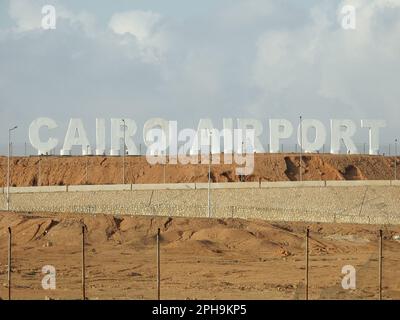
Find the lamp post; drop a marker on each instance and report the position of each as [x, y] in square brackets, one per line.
[123, 156]
[39, 162]
[301, 146]
[87, 164]
[209, 180]
[241, 176]
[8, 166]
[395, 159]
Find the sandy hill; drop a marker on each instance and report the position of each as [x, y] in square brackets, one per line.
[53, 170]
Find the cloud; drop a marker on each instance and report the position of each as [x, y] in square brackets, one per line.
[256, 58]
[146, 28]
[321, 66]
[140, 24]
[25, 15]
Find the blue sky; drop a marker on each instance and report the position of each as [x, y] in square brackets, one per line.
[185, 60]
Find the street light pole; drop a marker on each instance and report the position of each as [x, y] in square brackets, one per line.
[209, 181]
[395, 159]
[123, 156]
[8, 166]
[301, 146]
[40, 160]
[87, 164]
[241, 176]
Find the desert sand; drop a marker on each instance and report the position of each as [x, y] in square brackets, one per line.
[52, 170]
[200, 258]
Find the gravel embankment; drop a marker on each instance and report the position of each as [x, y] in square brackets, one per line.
[375, 205]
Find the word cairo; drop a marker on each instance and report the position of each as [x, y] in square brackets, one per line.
[161, 137]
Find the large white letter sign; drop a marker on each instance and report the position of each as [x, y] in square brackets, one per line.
[34, 136]
[100, 137]
[278, 129]
[343, 130]
[118, 131]
[320, 135]
[227, 133]
[257, 126]
[157, 150]
[187, 136]
[206, 129]
[150, 136]
[173, 142]
[373, 126]
[76, 136]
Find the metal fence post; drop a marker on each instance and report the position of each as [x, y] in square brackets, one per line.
[307, 263]
[158, 266]
[9, 263]
[83, 265]
[380, 263]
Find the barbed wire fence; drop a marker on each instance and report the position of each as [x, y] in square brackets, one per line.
[306, 288]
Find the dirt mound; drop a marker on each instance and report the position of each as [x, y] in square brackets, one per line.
[51, 170]
[200, 258]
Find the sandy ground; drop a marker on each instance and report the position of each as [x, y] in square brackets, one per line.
[51, 170]
[200, 258]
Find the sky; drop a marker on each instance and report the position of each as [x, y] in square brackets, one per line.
[185, 60]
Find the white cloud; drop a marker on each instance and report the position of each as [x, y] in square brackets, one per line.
[256, 58]
[146, 27]
[26, 15]
[140, 24]
[322, 62]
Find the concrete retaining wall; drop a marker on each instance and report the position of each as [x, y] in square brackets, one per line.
[358, 183]
[293, 184]
[110, 187]
[167, 186]
[229, 185]
[43, 189]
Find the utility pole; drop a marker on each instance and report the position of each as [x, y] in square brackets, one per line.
[301, 147]
[8, 166]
